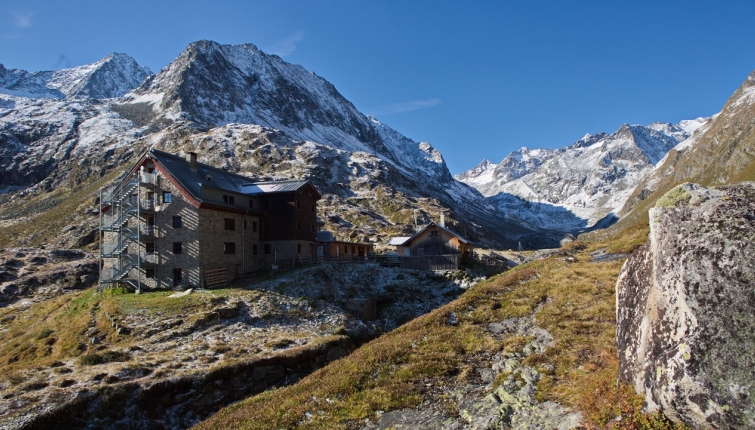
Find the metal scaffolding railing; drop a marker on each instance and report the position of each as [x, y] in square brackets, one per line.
[119, 208]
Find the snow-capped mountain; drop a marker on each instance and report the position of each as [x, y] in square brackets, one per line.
[217, 84]
[254, 114]
[113, 76]
[574, 188]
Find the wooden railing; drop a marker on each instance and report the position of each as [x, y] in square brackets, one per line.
[431, 262]
[425, 263]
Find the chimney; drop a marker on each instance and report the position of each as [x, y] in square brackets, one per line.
[442, 220]
[191, 157]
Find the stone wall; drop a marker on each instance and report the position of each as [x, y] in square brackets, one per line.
[166, 235]
[213, 235]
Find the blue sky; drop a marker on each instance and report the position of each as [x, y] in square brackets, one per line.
[475, 79]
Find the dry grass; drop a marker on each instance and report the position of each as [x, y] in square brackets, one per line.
[574, 302]
[45, 332]
[39, 220]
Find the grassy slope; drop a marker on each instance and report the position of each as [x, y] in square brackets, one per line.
[53, 330]
[39, 220]
[576, 305]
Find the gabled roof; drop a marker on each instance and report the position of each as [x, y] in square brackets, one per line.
[179, 170]
[398, 241]
[407, 240]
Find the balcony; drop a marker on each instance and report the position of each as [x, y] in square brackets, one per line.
[148, 231]
[147, 178]
[147, 205]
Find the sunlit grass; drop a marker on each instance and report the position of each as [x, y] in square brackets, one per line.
[573, 300]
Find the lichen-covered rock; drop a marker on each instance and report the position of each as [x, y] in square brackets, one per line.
[686, 308]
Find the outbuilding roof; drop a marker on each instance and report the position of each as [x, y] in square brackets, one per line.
[404, 241]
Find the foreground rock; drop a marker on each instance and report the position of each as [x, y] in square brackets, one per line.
[686, 308]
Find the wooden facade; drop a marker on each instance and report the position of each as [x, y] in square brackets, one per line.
[343, 249]
[432, 242]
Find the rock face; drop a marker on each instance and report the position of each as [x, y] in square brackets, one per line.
[686, 308]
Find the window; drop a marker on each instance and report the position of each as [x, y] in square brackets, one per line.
[353, 249]
[298, 204]
[251, 203]
[229, 247]
[149, 273]
[229, 199]
[230, 223]
[176, 222]
[344, 250]
[267, 249]
[254, 249]
[298, 248]
[177, 276]
[150, 220]
[313, 228]
[167, 197]
[298, 226]
[312, 208]
[254, 226]
[150, 195]
[150, 247]
[177, 247]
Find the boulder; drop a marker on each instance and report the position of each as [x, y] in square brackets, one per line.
[685, 304]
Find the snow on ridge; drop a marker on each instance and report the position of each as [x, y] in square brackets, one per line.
[691, 125]
[112, 76]
[578, 185]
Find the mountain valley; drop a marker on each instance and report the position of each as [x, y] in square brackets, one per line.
[533, 347]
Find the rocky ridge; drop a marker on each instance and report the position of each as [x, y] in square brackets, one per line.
[258, 116]
[725, 142]
[111, 77]
[580, 186]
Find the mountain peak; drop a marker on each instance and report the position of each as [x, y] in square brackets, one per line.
[112, 76]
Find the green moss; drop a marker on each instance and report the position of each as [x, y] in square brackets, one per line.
[672, 198]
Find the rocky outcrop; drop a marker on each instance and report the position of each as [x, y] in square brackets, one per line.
[501, 396]
[38, 274]
[686, 308]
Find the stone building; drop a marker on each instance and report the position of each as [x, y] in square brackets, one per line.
[172, 219]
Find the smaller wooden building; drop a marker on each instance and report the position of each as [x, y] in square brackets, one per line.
[330, 248]
[432, 241]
